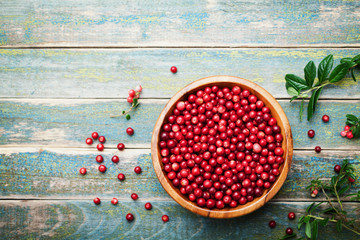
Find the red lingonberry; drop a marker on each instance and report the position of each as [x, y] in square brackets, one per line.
[130, 131]
[121, 177]
[165, 218]
[82, 171]
[114, 201]
[137, 170]
[94, 135]
[89, 141]
[173, 69]
[120, 146]
[97, 201]
[129, 217]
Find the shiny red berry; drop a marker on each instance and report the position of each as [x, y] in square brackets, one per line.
[148, 206]
[89, 141]
[351, 180]
[99, 159]
[121, 177]
[134, 196]
[130, 131]
[289, 231]
[120, 146]
[291, 215]
[114, 201]
[100, 147]
[272, 224]
[131, 92]
[102, 168]
[82, 171]
[97, 201]
[349, 135]
[115, 159]
[337, 168]
[137, 170]
[325, 118]
[317, 149]
[129, 217]
[165, 218]
[311, 133]
[173, 69]
[102, 139]
[94, 135]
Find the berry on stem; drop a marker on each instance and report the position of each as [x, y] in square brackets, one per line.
[137, 170]
[89, 141]
[121, 177]
[165, 218]
[130, 99]
[148, 206]
[129, 217]
[272, 224]
[314, 193]
[131, 93]
[349, 135]
[138, 88]
[351, 180]
[337, 168]
[102, 168]
[97, 201]
[343, 133]
[114, 201]
[130, 131]
[120, 146]
[173, 69]
[94, 135]
[311, 133]
[82, 171]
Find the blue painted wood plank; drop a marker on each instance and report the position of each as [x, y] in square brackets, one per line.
[178, 23]
[110, 73]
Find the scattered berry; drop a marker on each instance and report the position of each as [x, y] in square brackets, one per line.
[115, 159]
[272, 224]
[317, 149]
[102, 168]
[337, 168]
[120, 146]
[351, 180]
[100, 147]
[311, 133]
[99, 158]
[102, 139]
[114, 201]
[137, 170]
[134, 196]
[82, 171]
[138, 88]
[89, 141]
[291, 215]
[325, 118]
[148, 206]
[173, 69]
[129, 217]
[165, 218]
[130, 131]
[97, 201]
[121, 177]
[94, 135]
[131, 93]
[289, 231]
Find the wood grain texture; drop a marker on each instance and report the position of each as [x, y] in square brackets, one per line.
[83, 219]
[185, 23]
[67, 123]
[29, 173]
[110, 73]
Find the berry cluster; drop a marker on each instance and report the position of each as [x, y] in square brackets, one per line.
[221, 147]
[347, 132]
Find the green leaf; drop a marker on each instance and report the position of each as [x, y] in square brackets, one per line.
[123, 112]
[329, 210]
[293, 98]
[343, 190]
[127, 117]
[356, 58]
[314, 232]
[301, 109]
[339, 226]
[292, 91]
[339, 73]
[135, 101]
[301, 221]
[315, 207]
[324, 222]
[287, 236]
[308, 229]
[352, 74]
[312, 103]
[310, 73]
[296, 82]
[352, 117]
[325, 67]
[309, 207]
[346, 60]
[356, 132]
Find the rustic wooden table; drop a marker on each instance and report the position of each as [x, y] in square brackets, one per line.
[66, 66]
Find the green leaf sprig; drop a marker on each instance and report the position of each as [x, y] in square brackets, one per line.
[135, 103]
[354, 123]
[335, 213]
[300, 88]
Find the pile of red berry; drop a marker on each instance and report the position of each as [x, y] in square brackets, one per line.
[221, 147]
[347, 132]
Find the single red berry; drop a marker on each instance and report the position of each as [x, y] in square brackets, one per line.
[121, 177]
[173, 69]
[94, 135]
[130, 131]
[291, 215]
[130, 99]
[121, 146]
[131, 92]
[97, 201]
[134, 196]
[102, 168]
[337, 168]
[311, 133]
[314, 193]
[351, 180]
[129, 217]
[349, 135]
[289, 231]
[343, 133]
[148, 206]
[115, 159]
[82, 171]
[100, 147]
[102, 139]
[99, 159]
[317, 149]
[138, 88]
[272, 224]
[165, 218]
[137, 170]
[89, 141]
[114, 201]
[325, 118]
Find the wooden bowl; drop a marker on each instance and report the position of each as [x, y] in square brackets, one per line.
[276, 111]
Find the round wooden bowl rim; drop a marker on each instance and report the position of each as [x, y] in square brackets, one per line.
[241, 209]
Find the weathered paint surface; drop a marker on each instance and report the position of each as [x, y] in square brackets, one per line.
[34, 173]
[82, 219]
[178, 23]
[110, 73]
[67, 123]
